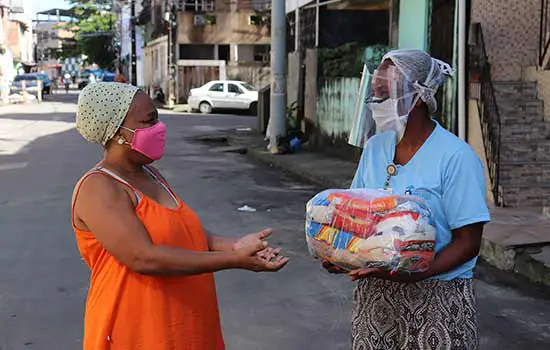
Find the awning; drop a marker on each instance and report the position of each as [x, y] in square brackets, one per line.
[55, 11]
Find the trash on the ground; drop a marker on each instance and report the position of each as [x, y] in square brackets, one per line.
[268, 210]
[244, 129]
[295, 144]
[247, 209]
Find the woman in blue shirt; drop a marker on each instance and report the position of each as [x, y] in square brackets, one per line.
[411, 153]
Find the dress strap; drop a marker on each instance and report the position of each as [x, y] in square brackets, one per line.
[161, 182]
[120, 179]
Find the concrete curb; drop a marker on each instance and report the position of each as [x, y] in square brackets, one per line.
[276, 162]
[515, 260]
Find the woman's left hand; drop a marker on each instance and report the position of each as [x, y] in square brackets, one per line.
[386, 275]
[253, 239]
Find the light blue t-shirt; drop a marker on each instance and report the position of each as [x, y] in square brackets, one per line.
[445, 171]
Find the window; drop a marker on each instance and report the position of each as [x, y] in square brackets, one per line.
[197, 6]
[235, 89]
[262, 53]
[248, 87]
[218, 87]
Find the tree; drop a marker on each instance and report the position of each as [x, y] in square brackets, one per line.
[93, 28]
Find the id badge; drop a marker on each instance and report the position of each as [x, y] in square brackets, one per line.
[388, 190]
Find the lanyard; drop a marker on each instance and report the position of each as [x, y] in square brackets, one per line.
[391, 170]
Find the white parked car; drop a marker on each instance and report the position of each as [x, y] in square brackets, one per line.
[224, 94]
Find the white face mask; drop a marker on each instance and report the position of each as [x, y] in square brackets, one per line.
[387, 118]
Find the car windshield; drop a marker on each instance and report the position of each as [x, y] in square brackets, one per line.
[248, 87]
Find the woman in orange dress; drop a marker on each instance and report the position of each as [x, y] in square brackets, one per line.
[151, 261]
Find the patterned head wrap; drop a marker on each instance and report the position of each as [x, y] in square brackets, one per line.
[101, 110]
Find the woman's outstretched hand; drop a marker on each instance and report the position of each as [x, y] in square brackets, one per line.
[268, 253]
[248, 258]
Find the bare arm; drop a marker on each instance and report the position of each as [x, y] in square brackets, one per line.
[219, 243]
[107, 210]
[463, 248]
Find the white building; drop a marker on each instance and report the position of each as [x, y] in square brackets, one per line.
[16, 29]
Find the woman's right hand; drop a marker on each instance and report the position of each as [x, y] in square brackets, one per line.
[248, 259]
[331, 268]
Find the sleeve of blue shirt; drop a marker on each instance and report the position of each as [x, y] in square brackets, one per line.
[358, 179]
[464, 190]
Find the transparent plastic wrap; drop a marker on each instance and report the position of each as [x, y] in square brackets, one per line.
[370, 228]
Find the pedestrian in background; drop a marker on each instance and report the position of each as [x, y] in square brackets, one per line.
[152, 263]
[120, 78]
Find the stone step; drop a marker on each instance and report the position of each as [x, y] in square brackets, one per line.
[520, 173]
[526, 173]
[534, 131]
[521, 110]
[524, 196]
[516, 90]
[518, 151]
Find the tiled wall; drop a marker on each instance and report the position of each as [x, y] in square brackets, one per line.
[511, 30]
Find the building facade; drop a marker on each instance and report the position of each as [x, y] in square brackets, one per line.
[16, 29]
[212, 39]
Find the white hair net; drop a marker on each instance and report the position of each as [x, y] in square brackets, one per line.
[425, 72]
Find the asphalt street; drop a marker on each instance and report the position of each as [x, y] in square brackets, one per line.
[43, 281]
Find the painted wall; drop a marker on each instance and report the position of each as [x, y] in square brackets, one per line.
[413, 24]
[475, 139]
[230, 28]
[155, 67]
[336, 105]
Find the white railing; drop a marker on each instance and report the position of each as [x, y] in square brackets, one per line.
[196, 5]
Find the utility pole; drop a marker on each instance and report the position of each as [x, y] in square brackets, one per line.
[171, 18]
[277, 118]
[133, 57]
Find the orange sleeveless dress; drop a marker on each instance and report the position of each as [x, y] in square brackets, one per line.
[129, 311]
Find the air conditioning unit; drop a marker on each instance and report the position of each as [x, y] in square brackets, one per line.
[254, 20]
[199, 20]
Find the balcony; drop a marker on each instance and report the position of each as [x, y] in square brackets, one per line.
[198, 5]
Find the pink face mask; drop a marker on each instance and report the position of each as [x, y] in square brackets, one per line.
[149, 141]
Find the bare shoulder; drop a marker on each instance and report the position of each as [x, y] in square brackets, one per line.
[96, 191]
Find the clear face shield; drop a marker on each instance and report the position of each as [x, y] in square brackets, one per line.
[385, 100]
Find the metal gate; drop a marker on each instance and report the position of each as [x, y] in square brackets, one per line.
[442, 30]
[190, 77]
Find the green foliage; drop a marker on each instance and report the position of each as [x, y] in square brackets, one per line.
[348, 60]
[342, 61]
[93, 29]
[374, 54]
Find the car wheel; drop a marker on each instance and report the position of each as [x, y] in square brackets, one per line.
[253, 108]
[205, 108]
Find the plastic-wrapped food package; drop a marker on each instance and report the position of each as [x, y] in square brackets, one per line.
[370, 228]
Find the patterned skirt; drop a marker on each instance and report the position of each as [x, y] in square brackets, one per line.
[429, 315]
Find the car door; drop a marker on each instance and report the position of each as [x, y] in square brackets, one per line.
[216, 94]
[236, 97]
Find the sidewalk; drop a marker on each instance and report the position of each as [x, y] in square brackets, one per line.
[516, 240]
